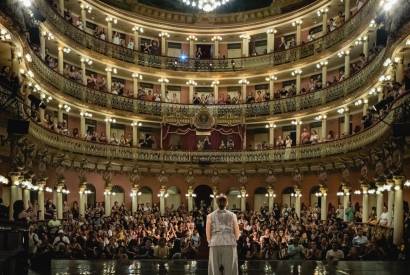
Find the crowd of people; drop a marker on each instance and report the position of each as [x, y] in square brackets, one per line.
[179, 234]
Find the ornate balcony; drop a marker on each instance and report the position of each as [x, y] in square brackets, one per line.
[340, 146]
[173, 112]
[310, 49]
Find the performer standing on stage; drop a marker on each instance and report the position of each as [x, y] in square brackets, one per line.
[222, 232]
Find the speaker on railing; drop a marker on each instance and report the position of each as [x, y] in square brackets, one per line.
[17, 127]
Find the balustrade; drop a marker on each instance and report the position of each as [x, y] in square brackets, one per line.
[346, 31]
[273, 107]
[340, 146]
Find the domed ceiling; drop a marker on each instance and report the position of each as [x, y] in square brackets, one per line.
[231, 6]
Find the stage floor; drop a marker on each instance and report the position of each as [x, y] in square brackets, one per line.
[179, 267]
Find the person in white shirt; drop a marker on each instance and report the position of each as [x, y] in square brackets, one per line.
[359, 239]
[384, 219]
[131, 44]
[333, 255]
[61, 241]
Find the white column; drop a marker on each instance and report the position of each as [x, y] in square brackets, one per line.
[324, 75]
[346, 124]
[108, 129]
[243, 91]
[61, 7]
[109, 78]
[347, 63]
[83, 72]
[270, 39]
[347, 9]
[365, 204]
[298, 132]
[107, 200]
[164, 43]
[243, 198]
[365, 106]
[191, 93]
[271, 197]
[41, 112]
[366, 46]
[297, 201]
[43, 45]
[346, 200]
[162, 193]
[135, 135]
[271, 135]
[192, 40]
[60, 113]
[83, 17]
[134, 198]
[398, 211]
[324, 22]
[109, 29]
[190, 199]
[399, 69]
[82, 200]
[271, 80]
[214, 193]
[216, 93]
[297, 73]
[14, 190]
[390, 200]
[216, 40]
[136, 39]
[324, 128]
[26, 197]
[82, 126]
[60, 60]
[323, 204]
[59, 205]
[41, 204]
[298, 33]
[379, 200]
[135, 83]
[245, 45]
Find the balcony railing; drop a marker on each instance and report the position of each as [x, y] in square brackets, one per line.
[341, 146]
[346, 31]
[220, 112]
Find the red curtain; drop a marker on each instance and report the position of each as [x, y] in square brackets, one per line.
[189, 139]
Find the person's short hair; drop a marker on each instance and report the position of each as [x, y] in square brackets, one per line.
[221, 201]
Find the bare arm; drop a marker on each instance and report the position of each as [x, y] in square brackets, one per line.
[236, 227]
[208, 229]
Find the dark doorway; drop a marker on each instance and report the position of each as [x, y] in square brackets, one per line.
[203, 196]
[203, 51]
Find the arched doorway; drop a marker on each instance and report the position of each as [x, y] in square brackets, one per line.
[173, 201]
[234, 201]
[203, 196]
[315, 201]
[146, 196]
[260, 199]
[91, 194]
[287, 198]
[117, 195]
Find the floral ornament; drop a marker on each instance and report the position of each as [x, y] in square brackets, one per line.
[162, 178]
[297, 177]
[270, 178]
[215, 178]
[82, 176]
[346, 175]
[190, 177]
[364, 172]
[243, 178]
[107, 177]
[322, 177]
[379, 170]
[60, 169]
[134, 178]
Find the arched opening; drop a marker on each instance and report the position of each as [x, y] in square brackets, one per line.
[145, 199]
[91, 198]
[260, 199]
[203, 196]
[315, 201]
[117, 195]
[173, 201]
[287, 199]
[234, 201]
